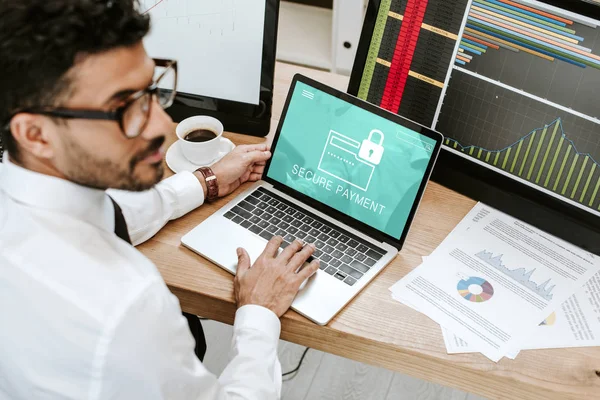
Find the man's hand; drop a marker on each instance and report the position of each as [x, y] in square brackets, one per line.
[272, 281]
[245, 163]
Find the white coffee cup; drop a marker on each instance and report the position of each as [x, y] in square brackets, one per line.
[200, 153]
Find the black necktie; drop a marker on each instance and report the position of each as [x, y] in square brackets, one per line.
[193, 321]
[120, 223]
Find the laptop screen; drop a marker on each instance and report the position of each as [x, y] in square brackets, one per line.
[357, 162]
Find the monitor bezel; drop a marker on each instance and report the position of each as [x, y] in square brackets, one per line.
[528, 203]
[335, 214]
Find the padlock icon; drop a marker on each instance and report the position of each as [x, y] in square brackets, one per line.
[371, 151]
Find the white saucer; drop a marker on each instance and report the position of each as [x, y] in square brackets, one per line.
[177, 161]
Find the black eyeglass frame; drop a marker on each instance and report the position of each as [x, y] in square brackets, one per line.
[118, 113]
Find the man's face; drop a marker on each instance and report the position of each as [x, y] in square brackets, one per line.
[97, 153]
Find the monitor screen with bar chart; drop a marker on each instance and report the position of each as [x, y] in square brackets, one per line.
[513, 85]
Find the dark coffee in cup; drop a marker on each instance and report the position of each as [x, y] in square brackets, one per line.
[200, 135]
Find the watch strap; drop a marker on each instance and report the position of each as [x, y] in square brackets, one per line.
[212, 185]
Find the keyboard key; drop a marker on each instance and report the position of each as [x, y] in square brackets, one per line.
[252, 200]
[351, 271]
[273, 202]
[288, 218]
[255, 229]
[263, 224]
[350, 251]
[266, 235]
[289, 238]
[301, 235]
[292, 230]
[255, 220]
[307, 220]
[296, 223]
[281, 233]
[340, 276]
[359, 266]
[279, 214]
[335, 263]
[284, 225]
[281, 206]
[323, 265]
[257, 194]
[341, 246]
[272, 229]
[374, 255]
[314, 232]
[299, 215]
[237, 219]
[350, 281]
[337, 254]
[334, 234]
[352, 243]
[318, 253]
[262, 205]
[290, 211]
[370, 262]
[271, 210]
[229, 214]
[316, 224]
[325, 229]
[245, 205]
[246, 224]
[362, 248]
[319, 244]
[275, 221]
[347, 259]
[332, 242]
[258, 211]
[266, 217]
[326, 257]
[323, 237]
[240, 211]
[305, 228]
[331, 270]
[310, 239]
[360, 257]
[343, 238]
[328, 249]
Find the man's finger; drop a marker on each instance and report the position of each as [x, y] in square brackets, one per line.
[254, 177]
[287, 253]
[300, 257]
[254, 147]
[272, 247]
[258, 169]
[243, 261]
[308, 271]
[254, 157]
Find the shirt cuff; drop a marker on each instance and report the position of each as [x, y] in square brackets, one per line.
[188, 190]
[258, 318]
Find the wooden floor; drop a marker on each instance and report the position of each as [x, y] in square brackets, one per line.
[327, 377]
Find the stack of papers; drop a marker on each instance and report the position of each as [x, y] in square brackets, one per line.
[497, 286]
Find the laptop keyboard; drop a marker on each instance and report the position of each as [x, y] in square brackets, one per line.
[340, 253]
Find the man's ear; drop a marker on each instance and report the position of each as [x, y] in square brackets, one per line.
[32, 133]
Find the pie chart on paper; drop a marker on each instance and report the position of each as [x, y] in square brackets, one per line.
[474, 289]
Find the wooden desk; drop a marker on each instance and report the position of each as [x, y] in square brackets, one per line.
[373, 328]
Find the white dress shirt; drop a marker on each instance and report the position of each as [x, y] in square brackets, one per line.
[84, 315]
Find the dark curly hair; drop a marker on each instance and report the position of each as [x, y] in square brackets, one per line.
[41, 40]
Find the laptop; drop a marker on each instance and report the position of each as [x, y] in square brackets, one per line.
[345, 175]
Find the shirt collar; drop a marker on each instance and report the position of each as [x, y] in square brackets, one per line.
[57, 195]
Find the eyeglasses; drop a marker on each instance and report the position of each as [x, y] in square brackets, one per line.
[134, 114]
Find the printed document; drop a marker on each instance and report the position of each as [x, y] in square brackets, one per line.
[494, 279]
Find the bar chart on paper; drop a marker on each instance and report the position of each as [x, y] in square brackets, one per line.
[217, 43]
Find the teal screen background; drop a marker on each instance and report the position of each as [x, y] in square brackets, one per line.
[317, 154]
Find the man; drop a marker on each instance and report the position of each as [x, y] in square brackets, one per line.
[84, 315]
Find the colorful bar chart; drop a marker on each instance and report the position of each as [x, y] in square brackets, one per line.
[518, 27]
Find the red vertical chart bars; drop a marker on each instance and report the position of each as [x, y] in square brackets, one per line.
[403, 54]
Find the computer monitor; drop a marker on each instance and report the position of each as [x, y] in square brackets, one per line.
[513, 85]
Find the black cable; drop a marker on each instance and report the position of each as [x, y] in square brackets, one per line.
[299, 364]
